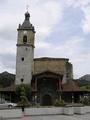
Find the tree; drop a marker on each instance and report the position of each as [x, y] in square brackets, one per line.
[23, 95]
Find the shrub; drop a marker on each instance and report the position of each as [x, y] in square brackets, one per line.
[59, 103]
[86, 101]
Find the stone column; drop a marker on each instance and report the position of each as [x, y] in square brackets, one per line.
[60, 89]
[36, 84]
[72, 97]
[35, 97]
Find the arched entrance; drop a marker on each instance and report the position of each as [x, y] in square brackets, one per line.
[46, 100]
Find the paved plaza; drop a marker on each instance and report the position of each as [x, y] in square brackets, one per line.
[57, 117]
[62, 117]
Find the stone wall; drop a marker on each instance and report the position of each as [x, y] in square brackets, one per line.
[46, 64]
[69, 69]
[17, 113]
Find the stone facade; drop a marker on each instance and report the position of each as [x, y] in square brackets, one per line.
[60, 66]
[48, 76]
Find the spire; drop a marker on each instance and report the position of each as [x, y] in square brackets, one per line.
[26, 24]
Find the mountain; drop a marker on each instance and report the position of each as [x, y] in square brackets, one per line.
[6, 79]
[83, 81]
[85, 77]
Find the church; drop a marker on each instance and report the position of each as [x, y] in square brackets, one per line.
[50, 78]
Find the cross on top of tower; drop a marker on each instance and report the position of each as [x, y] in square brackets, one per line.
[27, 15]
[27, 7]
[26, 25]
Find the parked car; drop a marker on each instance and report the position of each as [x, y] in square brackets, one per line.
[6, 104]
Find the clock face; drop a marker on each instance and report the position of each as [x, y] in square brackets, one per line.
[25, 32]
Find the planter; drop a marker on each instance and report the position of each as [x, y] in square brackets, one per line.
[87, 109]
[44, 111]
[79, 110]
[68, 111]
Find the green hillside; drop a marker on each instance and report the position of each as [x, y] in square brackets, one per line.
[84, 82]
[6, 79]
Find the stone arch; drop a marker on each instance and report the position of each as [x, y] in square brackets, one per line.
[24, 39]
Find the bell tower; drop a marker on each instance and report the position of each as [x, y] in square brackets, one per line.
[25, 51]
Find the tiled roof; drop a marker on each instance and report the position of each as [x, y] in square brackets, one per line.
[11, 88]
[50, 58]
[71, 87]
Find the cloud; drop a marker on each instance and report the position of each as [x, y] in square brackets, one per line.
[7, 47]
[45, 16]
[86, 21]
[7, 62]
[6, 35]
[7, 55]
[77, 3]
[72, 46]
[43, 45]
[84, 5]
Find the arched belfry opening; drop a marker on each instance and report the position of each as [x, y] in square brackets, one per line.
[24, 39]
[47, 100]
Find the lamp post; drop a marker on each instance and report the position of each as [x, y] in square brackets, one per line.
[72, 97]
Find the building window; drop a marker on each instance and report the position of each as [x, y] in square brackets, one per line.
[24, 39]
[22, 79]
[22, 58]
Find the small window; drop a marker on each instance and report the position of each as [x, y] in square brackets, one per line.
[22, 58]
[22, 79]
[25, 39]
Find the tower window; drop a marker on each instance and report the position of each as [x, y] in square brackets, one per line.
[22, 58]
[22, 79]
[24, 39]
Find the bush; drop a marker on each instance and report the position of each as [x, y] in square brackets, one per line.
[86, 101]
[59, 103]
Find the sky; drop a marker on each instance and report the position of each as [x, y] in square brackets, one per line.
[62, 31]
